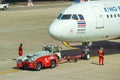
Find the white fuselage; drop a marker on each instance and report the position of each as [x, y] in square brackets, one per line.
[87, 22]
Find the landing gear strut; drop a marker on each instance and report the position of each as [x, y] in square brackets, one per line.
[86, 54]
[86, 50]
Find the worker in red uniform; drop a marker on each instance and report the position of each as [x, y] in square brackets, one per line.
[101, 56]
[20, 50]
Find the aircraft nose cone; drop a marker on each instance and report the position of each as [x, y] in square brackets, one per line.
[53, 32]
[58, 31]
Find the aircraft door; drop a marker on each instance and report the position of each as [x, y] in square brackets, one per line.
[102, 31]
[99, 18]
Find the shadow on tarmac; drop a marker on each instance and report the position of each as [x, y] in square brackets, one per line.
[109, 48]
[94, 63]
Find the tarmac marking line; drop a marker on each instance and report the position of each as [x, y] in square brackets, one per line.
[9, 71]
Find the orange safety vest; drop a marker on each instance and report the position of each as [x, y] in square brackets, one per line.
[100, 52]
[20, 51]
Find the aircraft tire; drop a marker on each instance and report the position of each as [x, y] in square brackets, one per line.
[86, 56]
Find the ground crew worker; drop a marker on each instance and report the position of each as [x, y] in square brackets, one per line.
[20, 50]
[101, 56]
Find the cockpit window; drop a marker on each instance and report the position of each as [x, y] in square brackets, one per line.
[81, 17]
[66, 16]
[59, 16]
[74, 17]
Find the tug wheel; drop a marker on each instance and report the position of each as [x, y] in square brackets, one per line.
[53, 64]
[38, 66]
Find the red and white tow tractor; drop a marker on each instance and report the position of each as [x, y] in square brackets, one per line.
[49, 56]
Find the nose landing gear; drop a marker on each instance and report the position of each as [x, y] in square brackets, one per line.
[86, 54]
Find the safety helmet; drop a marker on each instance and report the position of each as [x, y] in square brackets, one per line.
[101, 48]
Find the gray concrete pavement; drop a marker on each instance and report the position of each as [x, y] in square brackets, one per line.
[82, 70]
[30, 27]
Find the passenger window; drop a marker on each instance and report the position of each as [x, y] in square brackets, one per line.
[107, 16]
[66, 16]
[74, 17]
[111, 15]
[115, 15]
[81, 17]
[118, 15]
[59, 16]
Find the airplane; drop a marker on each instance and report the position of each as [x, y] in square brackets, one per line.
[87, 22]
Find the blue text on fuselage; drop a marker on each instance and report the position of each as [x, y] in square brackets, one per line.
[112, 9]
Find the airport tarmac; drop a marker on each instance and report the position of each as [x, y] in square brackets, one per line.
[29, 25]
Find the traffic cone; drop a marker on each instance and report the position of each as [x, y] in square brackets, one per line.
[29, 4]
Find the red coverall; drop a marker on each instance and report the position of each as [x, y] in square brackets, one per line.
[101, 58]
[20, 51]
